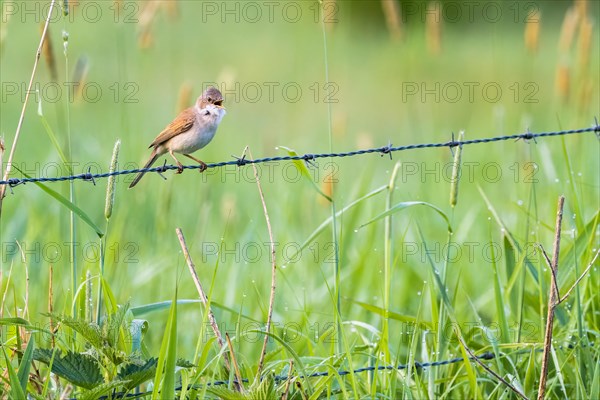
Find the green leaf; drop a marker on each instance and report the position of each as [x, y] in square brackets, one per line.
[509, 236]
[137, 330]
[137, 374]
[264, 389]
[164, 379]
[25, 365]
[162, 305]
[305, 172]
[102, 390]
[80, 369]
[510, 265]
[54, 141]
[89, 330]
[59, 197]
[16, 390]
[298, 361]
[329, 220]
[15, 321]
[95, 337]
[393, 315]
[499, 296]
[225, 393]
[408, 204]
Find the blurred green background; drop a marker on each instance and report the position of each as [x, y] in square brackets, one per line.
[389, 82]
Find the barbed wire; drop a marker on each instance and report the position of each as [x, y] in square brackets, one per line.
[308, 158]
[487, 356]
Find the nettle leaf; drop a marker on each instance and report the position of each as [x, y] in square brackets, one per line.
[183, 363]
[138, 374]
[94, 335]
[80, 369]
[226, 394]
[265, 389]
[115, 325]
[90, 331]
[103, 390]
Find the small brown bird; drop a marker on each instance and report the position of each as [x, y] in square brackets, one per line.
[190, 131]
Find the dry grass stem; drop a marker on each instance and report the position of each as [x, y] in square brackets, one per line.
[532, 32]
[563, 81]
[22, 117]
[185, 97]
[273, 269]
[80, 76]
[586, 36]
[147, 16]
[50, 301]
[286, 390]
[489, 370]
[391, 11]
[567, 32]
[433, 30]
[48, 52]
[582, 7]
[203, 298]
[236, 368]
[553, 300]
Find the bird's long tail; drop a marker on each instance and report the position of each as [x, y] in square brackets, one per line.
[139, 176]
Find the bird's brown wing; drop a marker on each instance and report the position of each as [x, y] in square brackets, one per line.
[183, 122]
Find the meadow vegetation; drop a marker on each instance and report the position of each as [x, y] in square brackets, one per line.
[371, 270]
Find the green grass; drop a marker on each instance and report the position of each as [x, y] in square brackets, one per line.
[411, 282]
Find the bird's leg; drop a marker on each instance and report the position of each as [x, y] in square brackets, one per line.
[203, 165]
[179, 165]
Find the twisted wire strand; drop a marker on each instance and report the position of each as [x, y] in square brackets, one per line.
[487, 356]
[240, 162]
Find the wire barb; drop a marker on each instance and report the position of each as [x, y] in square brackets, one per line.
[309, 160]
[241, 161]
[452, 144]
[162, 170]
[527, 136]
[387, 149]
[14, 182]
[88, 177]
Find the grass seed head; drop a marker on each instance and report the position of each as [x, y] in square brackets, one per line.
[110, 187]
[532, 32]
[456, 171]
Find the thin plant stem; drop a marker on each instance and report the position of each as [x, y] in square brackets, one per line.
[203, 298]
[22, 117]
[553, 299]
[273, 271]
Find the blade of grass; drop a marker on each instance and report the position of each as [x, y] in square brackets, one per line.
[498, 295]
[164, 380]
[16, 391]
[304, 171]
[25, 365]
[328, 221]
[71, 206]
[407, 204]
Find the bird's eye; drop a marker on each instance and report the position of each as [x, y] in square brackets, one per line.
[210, 99]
